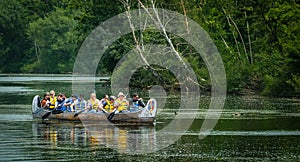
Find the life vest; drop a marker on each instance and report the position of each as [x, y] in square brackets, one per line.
[60, 105]
[68, 101]
[80, 104]
[109, 106]
[94, 104]
[52, 101]
[122, 105]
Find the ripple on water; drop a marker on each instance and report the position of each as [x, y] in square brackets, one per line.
[15, 117]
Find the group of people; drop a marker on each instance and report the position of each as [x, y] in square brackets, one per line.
[78, 103]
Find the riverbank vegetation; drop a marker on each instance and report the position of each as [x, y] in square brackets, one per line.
[259, 41]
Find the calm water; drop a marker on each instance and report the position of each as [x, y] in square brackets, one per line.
[250, 129]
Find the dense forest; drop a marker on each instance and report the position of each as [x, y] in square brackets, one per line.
[259, 40]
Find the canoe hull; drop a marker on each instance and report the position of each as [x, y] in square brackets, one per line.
[146, 115]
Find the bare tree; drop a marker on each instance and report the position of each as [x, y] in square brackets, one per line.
[139, 44]
[160, 23]
[161, 26]
[230, 22]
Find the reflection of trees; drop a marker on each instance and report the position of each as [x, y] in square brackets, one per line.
[125, 139]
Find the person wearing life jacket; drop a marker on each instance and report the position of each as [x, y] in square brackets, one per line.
[53, 100]
[69, 102]
[108, 104]
[93, 104]
[104, 99]
[136, 101]
[60, 102]
[80, 103]
[121, 103]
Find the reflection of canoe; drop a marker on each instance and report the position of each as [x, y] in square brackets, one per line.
[145, 115]
[123, 138]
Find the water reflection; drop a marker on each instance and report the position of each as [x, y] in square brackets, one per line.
[267, 129]
[55, 77]
[131, 139]
[15, 89]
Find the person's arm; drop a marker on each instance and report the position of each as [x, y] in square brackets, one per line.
[100, 106]
[141, 103]
[67, 102]
[84, 104]
[73, 105]
[58, 105]
[103, 104]
[116, 105]
[55, 104]
[127, 102]
[88, 106]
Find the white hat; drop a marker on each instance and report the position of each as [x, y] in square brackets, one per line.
[121, 94]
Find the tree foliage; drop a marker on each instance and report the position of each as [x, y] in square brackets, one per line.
[258, 40]
[54, 41]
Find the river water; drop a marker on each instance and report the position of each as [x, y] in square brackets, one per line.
[251, 128]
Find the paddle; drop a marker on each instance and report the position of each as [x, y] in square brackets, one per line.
[79, 112]
[112, 114]
[46, 115]
[57, 111]
[104, 111]
[54, 111]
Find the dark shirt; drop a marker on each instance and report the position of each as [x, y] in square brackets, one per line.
[60, 103]
[140, 102]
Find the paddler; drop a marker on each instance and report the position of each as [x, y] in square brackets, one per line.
[93, 104]
[53, 100]
[121, 103]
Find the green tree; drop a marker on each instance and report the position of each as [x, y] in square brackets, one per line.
[284, 23]
[13, 42]
[258, 40]
[54, 42]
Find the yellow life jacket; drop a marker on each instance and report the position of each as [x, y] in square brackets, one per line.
[109, 106]
[122, 105]
[52, 101]
[94, 104]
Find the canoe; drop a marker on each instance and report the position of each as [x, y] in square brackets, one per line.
[144, 115]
